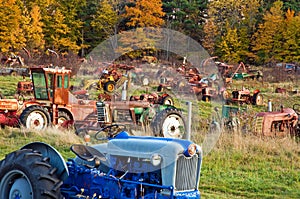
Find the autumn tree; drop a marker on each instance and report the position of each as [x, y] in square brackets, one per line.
[267, 41]
[145, 13]
[142, 14]
[34, 31]
[291, 35]
[228, 17]
[11, 33]
[57, 34]
[210, 36]
[230, 45]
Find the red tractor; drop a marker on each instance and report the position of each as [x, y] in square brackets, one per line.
[53, 103]
[278, 123]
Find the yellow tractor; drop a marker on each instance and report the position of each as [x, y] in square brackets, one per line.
[110, 79]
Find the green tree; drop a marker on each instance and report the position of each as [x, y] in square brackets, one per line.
[145, 13]
[186, 16]
[70, 9]
[105, 20]
[287, 4]
[267, 41]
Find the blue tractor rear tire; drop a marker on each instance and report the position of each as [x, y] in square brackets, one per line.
[27, 174]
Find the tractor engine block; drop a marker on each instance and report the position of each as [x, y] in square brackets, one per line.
[125, 179]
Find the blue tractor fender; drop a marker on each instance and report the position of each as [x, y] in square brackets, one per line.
[56, 160]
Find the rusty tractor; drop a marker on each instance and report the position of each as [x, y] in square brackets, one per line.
[207, 88]
[155, 98]
[244, 96]
[111, 78]
[141, 117]
[53, 103]
[280, 123]
[25, 88]
[241, 72]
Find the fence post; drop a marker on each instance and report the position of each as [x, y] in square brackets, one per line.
[189, 120]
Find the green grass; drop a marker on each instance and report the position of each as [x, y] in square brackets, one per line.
[13, 138]
[248, 167]
[8, 86]
[239, 166]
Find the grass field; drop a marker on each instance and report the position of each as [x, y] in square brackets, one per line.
[239, 166]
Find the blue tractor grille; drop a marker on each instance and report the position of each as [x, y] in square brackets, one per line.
[186, 173]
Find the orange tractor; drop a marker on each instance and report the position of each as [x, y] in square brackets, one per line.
[53, 103]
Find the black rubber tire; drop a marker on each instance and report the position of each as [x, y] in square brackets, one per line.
[296, 108]
[199, 96]
[62, 117]
[167, 100]
[258, 99]
[26, 114]
[158, 123]
[109, 86]
[206, 98]
[29, 174]
[13, 74]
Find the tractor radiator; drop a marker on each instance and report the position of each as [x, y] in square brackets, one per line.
[258, 125]
[186, 173]
[102, 113]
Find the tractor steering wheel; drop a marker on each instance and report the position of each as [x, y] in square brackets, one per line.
[109, 132]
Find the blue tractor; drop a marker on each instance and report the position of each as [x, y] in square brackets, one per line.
[123, 167]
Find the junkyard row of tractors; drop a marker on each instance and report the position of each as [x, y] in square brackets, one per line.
[128, 165]
[55, 102]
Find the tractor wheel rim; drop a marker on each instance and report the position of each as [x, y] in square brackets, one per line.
[15, 185]
[61, 120]
[145, 82]
[110, 87]
[173, 126]
[36, 121]
[168, 102]
[259, 100]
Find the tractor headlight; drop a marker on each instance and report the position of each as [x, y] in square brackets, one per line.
[155, 159]
[192, 149]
